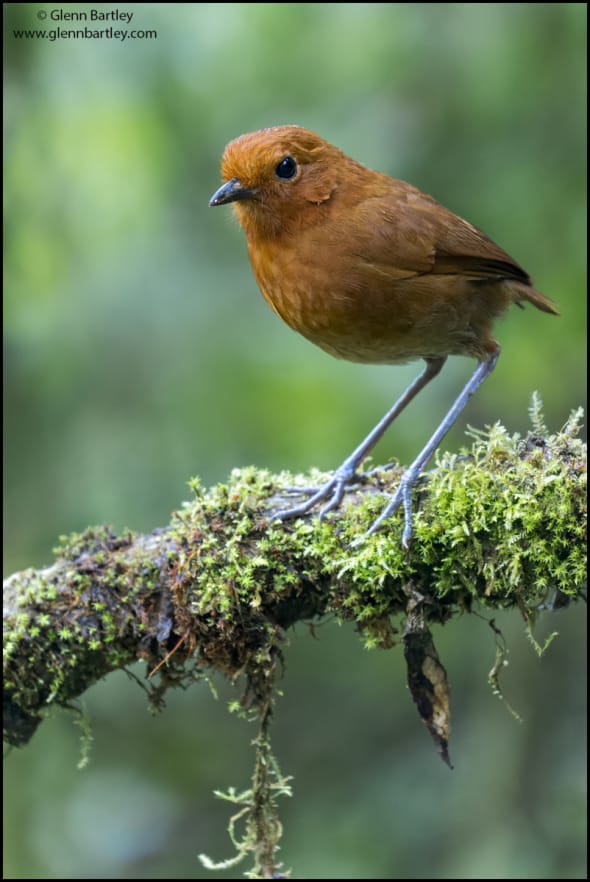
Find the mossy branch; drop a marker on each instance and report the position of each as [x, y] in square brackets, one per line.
[502, 525]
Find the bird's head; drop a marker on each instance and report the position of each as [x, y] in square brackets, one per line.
[275, 177]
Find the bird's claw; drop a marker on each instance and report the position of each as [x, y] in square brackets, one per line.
[299, 491]
[335, 500]
[403, 496]
[333, 490]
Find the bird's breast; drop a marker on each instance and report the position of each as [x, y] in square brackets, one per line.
[358, 311]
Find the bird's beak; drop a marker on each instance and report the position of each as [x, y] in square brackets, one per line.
[231, 191]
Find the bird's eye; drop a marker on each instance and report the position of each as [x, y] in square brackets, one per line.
[286, 168]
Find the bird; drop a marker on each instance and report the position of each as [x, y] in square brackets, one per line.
[372, 270]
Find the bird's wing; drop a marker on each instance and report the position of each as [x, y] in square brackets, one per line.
[410, 234]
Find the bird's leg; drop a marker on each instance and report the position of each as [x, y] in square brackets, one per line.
[334, 489]
[412, 473]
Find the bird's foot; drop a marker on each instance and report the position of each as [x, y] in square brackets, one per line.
[333, 490]
[344, 479]
[403, 496]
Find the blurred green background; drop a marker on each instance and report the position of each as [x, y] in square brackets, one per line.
[139, 352]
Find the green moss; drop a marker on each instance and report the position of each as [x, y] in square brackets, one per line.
[97, 541]
[502, 524]
[69, 622]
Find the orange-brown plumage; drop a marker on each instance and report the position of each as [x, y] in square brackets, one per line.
[364, 265]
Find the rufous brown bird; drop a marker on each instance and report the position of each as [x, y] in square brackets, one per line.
[372, 270]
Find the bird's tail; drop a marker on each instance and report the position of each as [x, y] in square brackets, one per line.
[526, 292]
